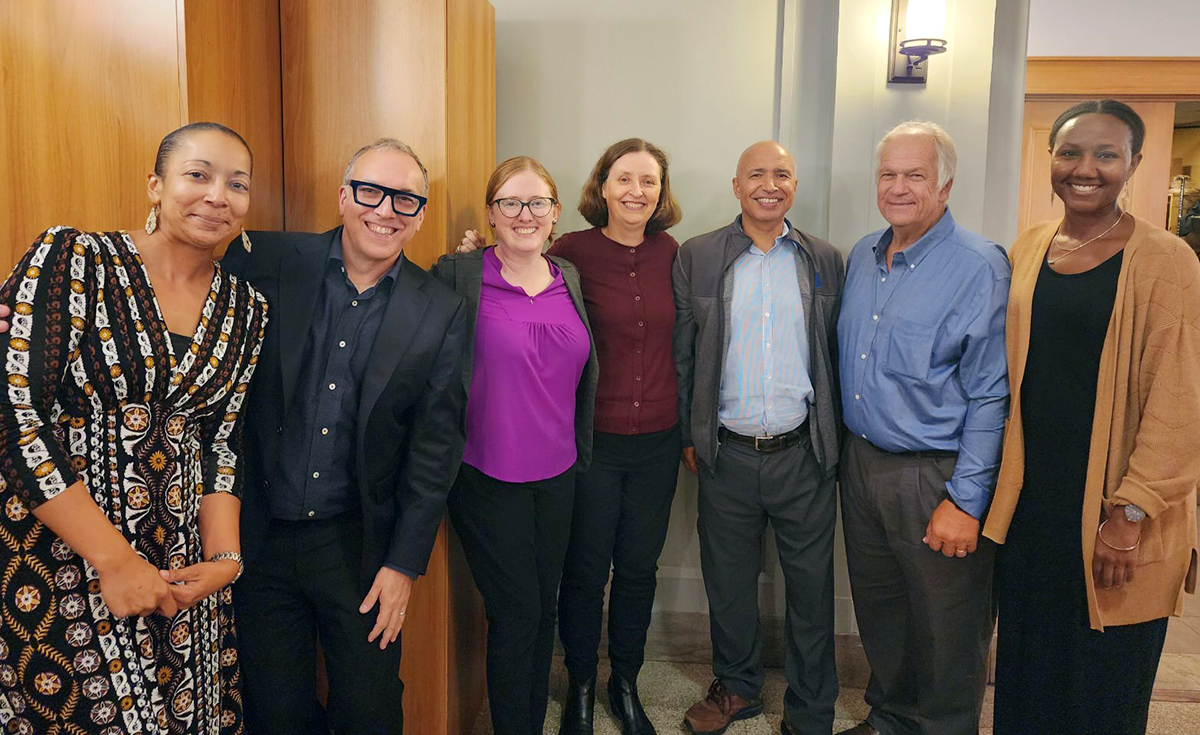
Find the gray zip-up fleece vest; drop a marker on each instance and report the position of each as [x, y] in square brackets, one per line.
[703, 283]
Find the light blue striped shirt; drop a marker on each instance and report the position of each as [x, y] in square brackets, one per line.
[765, 385]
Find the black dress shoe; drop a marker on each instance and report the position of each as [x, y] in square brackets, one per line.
[862, 728]
[626, 707]
[581, 703]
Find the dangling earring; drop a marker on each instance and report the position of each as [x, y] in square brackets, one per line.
[152, 220]
[245, 240]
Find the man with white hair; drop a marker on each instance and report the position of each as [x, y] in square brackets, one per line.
[924, 397]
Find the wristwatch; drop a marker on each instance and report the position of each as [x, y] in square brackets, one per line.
[1133, 513]
[235, 556]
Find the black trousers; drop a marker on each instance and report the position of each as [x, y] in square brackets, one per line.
[306, 589]
[787, 488]
[622, 506]
[515, 536]
[925, 619]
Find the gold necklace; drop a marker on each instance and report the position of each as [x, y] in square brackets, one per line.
[1066, 252]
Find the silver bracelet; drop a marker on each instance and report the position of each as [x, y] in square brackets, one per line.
[230, 556]
[1100, 535]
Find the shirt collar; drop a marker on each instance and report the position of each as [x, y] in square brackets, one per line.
[915, 253]
[335, 258]
[784, 237]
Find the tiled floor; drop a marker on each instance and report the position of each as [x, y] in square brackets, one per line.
[668, 689]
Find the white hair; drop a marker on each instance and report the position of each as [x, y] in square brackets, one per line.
[947, 156]
[386, 144]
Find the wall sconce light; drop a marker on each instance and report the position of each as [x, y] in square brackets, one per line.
[918, 30]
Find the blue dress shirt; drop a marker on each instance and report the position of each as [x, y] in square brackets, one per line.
[921, 351]
[765, 385]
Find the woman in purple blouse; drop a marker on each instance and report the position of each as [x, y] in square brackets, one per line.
[623, 502]
[531, 387]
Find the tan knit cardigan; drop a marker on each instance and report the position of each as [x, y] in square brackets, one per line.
[1145, 446]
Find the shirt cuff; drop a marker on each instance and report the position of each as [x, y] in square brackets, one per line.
[406, 572]
[975, 504]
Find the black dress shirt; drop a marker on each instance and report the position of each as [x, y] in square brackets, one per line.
[316, 472]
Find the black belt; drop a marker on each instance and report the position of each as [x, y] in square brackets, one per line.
[766, 444]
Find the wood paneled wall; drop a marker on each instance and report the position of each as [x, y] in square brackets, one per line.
[231, 52]
[85, 98]
[90, 89]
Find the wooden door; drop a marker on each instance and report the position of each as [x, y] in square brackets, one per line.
[1147, 195]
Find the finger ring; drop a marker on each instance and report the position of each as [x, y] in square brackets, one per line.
[401, 614]
[961, 552]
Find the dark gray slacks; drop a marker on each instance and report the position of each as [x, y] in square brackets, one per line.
[746, 490]
[925, 620]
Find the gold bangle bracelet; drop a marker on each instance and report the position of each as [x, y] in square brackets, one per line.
[1100, 535]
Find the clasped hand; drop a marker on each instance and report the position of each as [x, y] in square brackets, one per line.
[133, 586]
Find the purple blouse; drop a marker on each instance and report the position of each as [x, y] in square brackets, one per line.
[529, 355]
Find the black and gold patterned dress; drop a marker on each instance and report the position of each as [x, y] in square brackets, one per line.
[96, 392]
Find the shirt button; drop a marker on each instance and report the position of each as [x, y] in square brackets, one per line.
[316, 475]
[766, 313]
[633, 251]
[638, 377]
[639, 350]
[311, 513]
[354, 303]
[863, 356]
[875, 317]
[864, 436]
[637, 404]
[641, 324]
[324, 432]
[637, 298]
[883, 280]
[332, 386]
[342, 343]
[633, 274]
[857, 397]
[912, 265]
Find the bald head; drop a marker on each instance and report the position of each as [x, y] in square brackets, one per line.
[764, 150]
[765, 184]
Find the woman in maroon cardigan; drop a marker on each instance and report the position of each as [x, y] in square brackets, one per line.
[623, 502]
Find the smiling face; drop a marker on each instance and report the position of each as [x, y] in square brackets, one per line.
[632, 189]
[907, 190]
[204, 191]
[1091, 161]
[765, 183]
[526, 232]
[378, 233]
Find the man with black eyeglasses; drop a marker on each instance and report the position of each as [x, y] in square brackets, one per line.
[354, 433]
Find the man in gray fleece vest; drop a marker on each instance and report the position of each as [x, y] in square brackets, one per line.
[755, 347]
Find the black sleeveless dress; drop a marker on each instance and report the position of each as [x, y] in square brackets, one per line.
[1054, 674]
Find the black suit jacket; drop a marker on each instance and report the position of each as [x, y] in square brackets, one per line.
[411, 411]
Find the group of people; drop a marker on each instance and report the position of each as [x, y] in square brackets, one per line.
[1023, 416]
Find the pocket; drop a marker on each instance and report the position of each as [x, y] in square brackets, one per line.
[1150, 549]
[909, 349]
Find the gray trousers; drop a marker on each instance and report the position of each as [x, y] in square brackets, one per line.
[926, 620]
[746, 490]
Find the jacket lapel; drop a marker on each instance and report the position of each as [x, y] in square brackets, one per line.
[405, 309]
[301, 269]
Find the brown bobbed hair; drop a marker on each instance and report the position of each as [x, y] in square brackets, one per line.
[510, 168]
[594, 208]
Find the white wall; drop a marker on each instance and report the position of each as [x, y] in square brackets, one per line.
[705, 78]
[1114, 28]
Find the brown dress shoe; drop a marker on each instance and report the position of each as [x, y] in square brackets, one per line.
[862, 728]
[713, 714]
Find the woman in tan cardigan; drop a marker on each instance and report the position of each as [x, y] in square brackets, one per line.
[1095, 504]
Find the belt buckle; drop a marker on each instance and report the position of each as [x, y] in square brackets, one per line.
[769, 437]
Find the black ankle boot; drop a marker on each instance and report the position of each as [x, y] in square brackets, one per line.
[577, 712]
[626, 707]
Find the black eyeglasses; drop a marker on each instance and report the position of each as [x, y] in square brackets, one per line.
[511, 206]
[404, 203]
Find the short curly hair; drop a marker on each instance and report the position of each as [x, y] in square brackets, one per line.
[594, 208]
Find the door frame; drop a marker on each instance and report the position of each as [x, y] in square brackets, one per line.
[1144, 78]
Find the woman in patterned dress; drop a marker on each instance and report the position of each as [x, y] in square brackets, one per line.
[127, 362]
